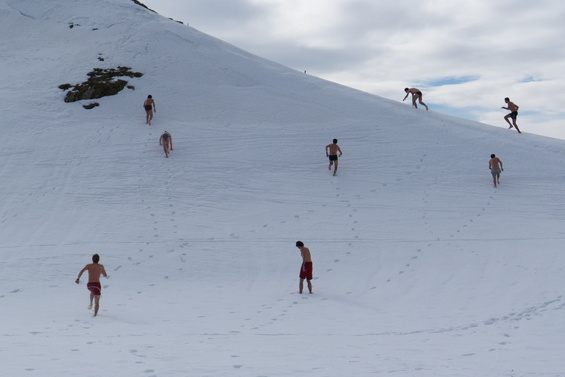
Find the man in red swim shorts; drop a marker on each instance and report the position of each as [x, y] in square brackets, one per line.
[94, 271]
[306, 268]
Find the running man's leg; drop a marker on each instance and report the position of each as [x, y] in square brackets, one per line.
[506, 118]
[96, 305]
[516, 125]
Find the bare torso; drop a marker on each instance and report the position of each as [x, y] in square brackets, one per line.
[512, 106]
[495, 163]
[333, 149]
[149, 102]
[94, 272]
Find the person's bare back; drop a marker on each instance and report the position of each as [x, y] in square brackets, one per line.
[333, 149]
[95, 270]
[495, 163]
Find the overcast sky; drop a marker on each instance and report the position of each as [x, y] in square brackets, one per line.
[465, 56]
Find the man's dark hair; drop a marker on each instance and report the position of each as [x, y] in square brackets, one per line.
[492, 156]
[299, 244]
[335, 141]
[96, 258]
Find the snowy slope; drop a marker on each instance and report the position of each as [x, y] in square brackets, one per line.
[421, 267]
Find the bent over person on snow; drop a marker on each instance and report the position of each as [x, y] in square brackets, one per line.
[416, 96]
[94, 271]
[166, 140]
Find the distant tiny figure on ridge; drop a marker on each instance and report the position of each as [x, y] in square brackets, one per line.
[149, 106]
[331, 153]
[416, 96]
[306, 268]
[495, 166]
[513, 114]
[94, 271]
[166, 140]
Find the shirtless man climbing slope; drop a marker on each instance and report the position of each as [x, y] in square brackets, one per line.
[331, 153]
[495, 166]
[149, 106]
[416, 96]
[166, 140]
[512, 115]
[94, 271]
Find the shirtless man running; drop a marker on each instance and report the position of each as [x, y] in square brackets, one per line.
[514, 113]
[306, 268]
[94, 271]
[149, 106]
[331, 153]
[495, 166]
[416, 96]
[166, 140]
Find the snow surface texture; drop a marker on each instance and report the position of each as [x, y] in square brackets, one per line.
[421, 267]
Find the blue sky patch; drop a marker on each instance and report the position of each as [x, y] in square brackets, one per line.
[452, 80]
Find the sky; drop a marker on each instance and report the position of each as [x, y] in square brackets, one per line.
[466, 57]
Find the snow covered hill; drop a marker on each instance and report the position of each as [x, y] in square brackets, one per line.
[421, 267]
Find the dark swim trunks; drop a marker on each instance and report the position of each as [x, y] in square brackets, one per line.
[333, 157]
[513, 114]
[95, 288]
[148, 107]
[306, 272]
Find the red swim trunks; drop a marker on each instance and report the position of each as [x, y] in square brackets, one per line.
[95, 288]
[306, 271]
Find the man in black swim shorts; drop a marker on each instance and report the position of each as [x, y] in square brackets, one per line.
[331, 153]
[149, 106]
[416, 96]
[513, 114]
